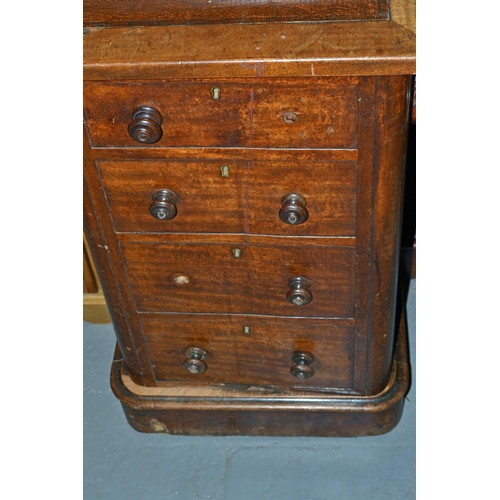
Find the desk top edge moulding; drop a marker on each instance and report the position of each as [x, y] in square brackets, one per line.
[158, 12]
[244, 167]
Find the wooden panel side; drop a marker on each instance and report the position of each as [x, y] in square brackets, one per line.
[391, 135]
[95, 309]
[403, 12]
[90, 281]
[363, 226]
[107, 258]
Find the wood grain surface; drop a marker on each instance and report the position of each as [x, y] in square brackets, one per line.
[108, 261]
[256, 283]
[246, 114]
[391, 136]
[261, 357]
[248, 201]
[207, 278]
[302, 97]
[151, 12]
[253, 50]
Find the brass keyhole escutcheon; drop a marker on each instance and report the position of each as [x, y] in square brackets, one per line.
[236, 253]
[224, 171]
[215, 91]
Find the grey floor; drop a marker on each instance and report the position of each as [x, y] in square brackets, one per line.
[120, 463]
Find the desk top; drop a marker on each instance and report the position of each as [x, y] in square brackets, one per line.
[274, 49]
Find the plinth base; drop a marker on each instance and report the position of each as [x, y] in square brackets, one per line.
[212, 411]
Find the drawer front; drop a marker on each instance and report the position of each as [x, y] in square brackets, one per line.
[250, 350]
[241, 278]
[321, 114]
[304, 115]
[206, 201]
[191, 117]
[327, 191]
[249, 199]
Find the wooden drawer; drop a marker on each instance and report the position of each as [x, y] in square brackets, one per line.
[303, 115]
[207, 202]
[329, 189]
[248, 200]
[206, 277]
[261, 356]
[191, 117]
[318, 114]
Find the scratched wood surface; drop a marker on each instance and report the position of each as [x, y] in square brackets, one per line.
[259, 50]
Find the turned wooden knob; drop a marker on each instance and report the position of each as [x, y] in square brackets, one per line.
[293, 210]
[302, 369]
[194, 362]
[164, 206]
[146, 125]
[299, 293]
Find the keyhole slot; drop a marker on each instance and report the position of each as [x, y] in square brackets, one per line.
[215, 91]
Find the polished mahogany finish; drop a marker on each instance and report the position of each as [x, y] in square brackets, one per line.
[243, 192]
